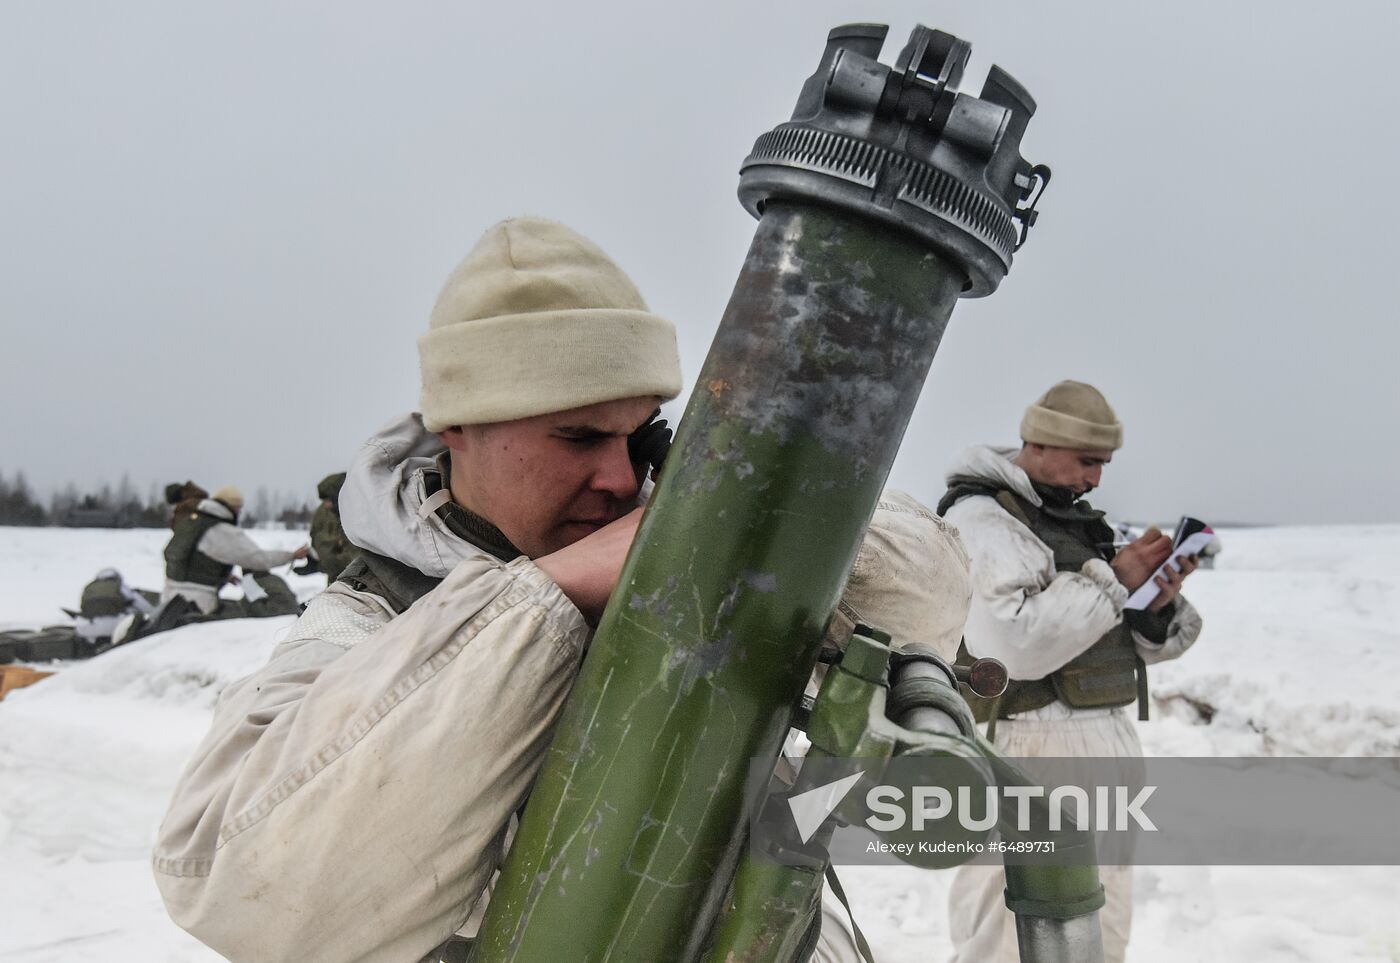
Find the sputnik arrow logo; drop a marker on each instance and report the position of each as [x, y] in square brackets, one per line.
[810, 808]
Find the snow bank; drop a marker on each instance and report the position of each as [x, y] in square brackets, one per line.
[87, 759]
[1301, 644]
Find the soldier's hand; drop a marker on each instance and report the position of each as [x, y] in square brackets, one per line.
[1169, 583]
[587, 571]
[1137, 561]
[301, 552]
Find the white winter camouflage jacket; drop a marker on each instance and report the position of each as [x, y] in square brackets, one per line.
[351, 799]
[1025, 613]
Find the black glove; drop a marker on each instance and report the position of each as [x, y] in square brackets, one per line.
[649, 444]
[1154, 626]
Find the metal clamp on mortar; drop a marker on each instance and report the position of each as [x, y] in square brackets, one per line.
[876, 705]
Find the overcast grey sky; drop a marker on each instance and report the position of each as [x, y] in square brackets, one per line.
[222, 226]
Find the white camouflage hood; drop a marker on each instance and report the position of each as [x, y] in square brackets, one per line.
[384, 491]
[995, 466]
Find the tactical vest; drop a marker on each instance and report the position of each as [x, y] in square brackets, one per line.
[396, 583]
[183, 560]
[1110, 672]
[102, 597]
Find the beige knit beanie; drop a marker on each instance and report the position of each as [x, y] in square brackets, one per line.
[230, 496]
[1072, 415]
[537, 319]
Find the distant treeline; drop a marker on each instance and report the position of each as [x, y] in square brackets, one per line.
[123, 507]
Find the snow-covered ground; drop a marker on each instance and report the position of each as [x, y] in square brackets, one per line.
[1300, 656]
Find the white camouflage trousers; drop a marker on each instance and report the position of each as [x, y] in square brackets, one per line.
[982, 928]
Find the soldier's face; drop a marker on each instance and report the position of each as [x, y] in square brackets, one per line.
[548, 481]
[1079, 471]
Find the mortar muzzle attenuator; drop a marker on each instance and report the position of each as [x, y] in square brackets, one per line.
[900, 145]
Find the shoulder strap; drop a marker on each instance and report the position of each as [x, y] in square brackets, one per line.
[840, 894]
[398, 584]
[960, 487]
[1014, 507]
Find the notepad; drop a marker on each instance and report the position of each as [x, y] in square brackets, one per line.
[1191, 538]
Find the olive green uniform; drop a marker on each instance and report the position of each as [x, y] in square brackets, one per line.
[333, 550]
